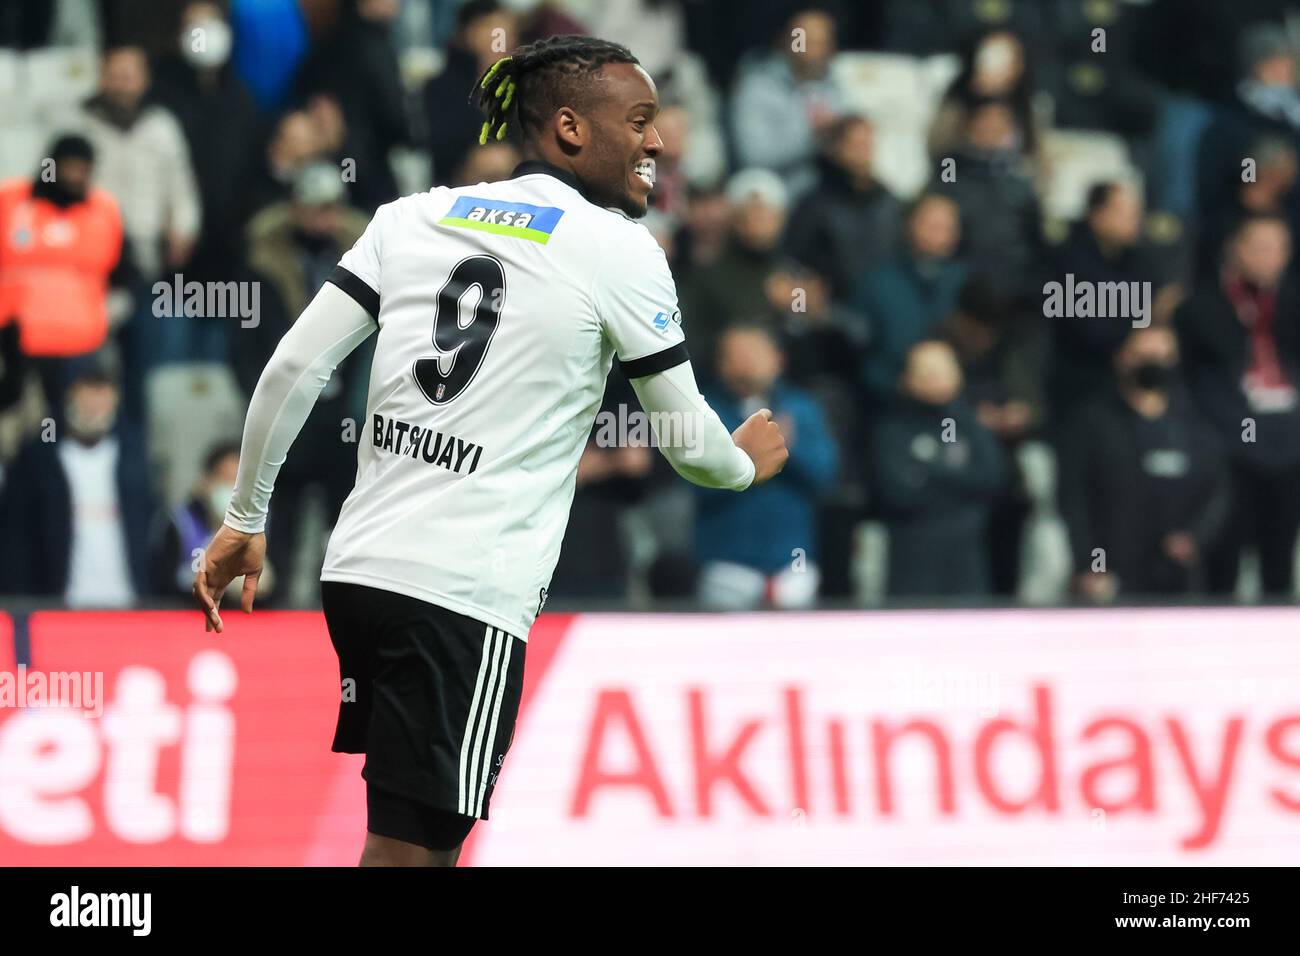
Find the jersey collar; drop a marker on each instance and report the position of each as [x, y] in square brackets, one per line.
[530, 167]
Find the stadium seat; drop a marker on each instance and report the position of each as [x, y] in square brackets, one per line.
[1045, 544]
[35, 89]
[58, 78]
[21, 148]
[900, 94]
[885, 86]
[871, 564]
[10, 89]
[1075, 160]
[192, 406]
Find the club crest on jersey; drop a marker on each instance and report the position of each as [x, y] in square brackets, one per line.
[517, 219]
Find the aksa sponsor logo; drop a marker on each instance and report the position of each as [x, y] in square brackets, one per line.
[517, 219]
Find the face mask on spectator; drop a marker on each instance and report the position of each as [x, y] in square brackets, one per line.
[206, 43]
[60, 194]
[89, 427]
[219, 499]
[1151, 375]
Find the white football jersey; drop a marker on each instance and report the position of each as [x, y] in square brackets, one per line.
[501, 308]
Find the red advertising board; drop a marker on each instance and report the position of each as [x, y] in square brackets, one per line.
[1123, 737]
[212, 749]
[7, 660]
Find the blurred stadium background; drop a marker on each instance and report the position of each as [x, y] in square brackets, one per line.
[1033, 568]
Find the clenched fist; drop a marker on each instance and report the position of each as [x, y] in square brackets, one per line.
[761, 439]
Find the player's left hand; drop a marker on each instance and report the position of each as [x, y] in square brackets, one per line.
[230, 554]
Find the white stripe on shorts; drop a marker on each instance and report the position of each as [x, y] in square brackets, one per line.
[482, 707]
[466, 786]
[492, 732]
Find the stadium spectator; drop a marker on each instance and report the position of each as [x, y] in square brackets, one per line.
[704, 232]
[75, 511]
[142, 160]
[937, 471]
[356, 64]
[187, 527]
[906, 299]
[995, 68]
[1266, 103]
[1105, 246]
[331, 127]
[333, 142]
[733, 288]
[1001, 354]
[1144, 486]
[1268, 190]
[684, 86]
[295, 143]
[292, 248]
[671, 184]
[761, 548]
[786, 97]
[1187, 45]
[60, 239]
[1240, 337]
[849, 223]
[487, 164]
[223, 130]
[484, 31]
[993, 186]
[825, 344]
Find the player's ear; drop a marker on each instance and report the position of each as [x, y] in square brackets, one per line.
[570, 127]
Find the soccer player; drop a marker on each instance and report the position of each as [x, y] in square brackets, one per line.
[500, 309]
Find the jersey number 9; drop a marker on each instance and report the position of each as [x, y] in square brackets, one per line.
[468, 344]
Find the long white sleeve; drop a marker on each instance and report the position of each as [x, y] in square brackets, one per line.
[700, 448]
[331, 326]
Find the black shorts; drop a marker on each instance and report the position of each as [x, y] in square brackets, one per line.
[429, 696]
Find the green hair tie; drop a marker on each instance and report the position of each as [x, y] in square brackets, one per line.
[492, 70]
[483, 134]
[510, 95]
[501, 132]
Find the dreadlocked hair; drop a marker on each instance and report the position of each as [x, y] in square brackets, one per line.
[539, 78]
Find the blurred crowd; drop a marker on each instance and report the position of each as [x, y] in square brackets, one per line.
[1016, 276]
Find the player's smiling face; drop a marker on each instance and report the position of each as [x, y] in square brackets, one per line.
[620, 168]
